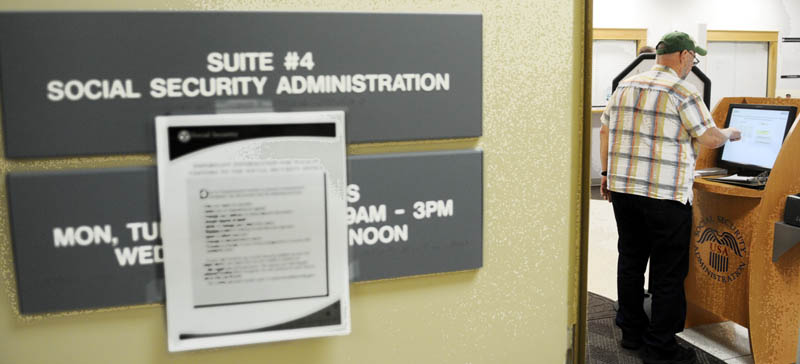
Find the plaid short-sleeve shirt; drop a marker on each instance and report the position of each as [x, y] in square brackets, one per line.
[653, 120]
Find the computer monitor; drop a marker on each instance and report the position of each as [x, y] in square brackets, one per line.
[644, 62]
[763, 129]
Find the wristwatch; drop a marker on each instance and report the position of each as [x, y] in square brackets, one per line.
[604, 173]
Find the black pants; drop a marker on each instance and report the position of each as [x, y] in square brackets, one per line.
[658, 230]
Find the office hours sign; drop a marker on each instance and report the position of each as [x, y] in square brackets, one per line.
[92, 83]
[86, 239]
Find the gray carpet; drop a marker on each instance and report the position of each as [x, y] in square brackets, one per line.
[603, 337]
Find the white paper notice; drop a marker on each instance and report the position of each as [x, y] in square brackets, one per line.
[253, 225]
[256, 239]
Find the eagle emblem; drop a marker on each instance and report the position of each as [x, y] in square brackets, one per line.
[722, 245]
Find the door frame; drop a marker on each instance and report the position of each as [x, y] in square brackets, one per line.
[769, 37]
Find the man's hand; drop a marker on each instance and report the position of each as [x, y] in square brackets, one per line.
[604, 189]
[715, 137]
[735, 134]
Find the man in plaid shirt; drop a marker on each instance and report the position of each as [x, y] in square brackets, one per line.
[649, 140]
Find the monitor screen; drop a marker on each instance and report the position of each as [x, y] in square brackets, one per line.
[763, 129]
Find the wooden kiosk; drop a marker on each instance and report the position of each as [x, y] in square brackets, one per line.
[739, 281]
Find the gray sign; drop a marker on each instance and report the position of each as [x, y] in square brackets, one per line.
[86, 239]
[89, 238]
[415, 213]
[91, 83]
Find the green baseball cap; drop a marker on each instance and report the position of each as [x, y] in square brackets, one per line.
[676, 42]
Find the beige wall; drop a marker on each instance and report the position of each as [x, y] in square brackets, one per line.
[516, 309]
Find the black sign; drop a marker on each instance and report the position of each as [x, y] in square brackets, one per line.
[91, 83]
[90, 238]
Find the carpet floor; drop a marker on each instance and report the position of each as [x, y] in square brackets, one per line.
[603, 337]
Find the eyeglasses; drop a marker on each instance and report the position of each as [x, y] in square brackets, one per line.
[696, 61]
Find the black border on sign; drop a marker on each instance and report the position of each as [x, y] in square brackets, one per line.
[222, 134]
[328, 316]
